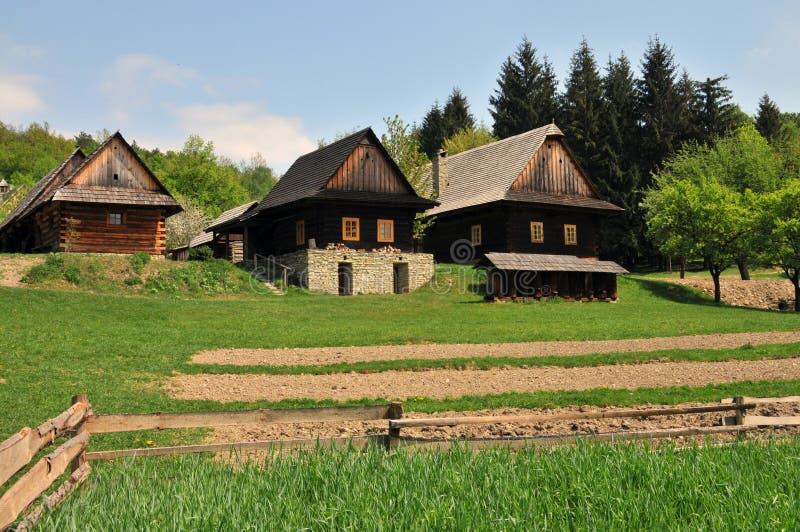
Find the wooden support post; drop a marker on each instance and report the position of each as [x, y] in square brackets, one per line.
[739, 401]
[395, 412]
[81, 428]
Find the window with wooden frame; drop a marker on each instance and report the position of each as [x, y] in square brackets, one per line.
[537, 232]
[570, 235]
[300, 232]
[476, 235]
[385, 230]
[350, 229]
[115, 218]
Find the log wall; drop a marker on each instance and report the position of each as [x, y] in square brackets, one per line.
[141, 230]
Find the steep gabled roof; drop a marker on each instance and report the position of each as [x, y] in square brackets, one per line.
[56, 186]
[485, 174]
[309, 174]
[37, 194]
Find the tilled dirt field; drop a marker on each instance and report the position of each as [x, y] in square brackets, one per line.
[335, 355]
[758, 293]
[504, 430]
[442, 383]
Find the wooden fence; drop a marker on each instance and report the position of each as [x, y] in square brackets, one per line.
[18, 451]
[79, 421]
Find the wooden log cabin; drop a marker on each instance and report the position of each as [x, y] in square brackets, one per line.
[342, 219]
[108, 202]
[522, 196]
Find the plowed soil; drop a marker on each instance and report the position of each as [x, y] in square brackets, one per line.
[499, 430]
[335, 355]
[442, 383]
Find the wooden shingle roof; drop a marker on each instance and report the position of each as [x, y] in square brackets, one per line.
[231, 214]
[486, 174]
[550, 263]
[309, 174]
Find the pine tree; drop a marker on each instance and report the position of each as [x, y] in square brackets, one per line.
[716, 115]
[768, 119]
[432, 131]
[660, 106]
[688, 127]
[456, 114]
[581, 112]
[617, 177]
[526, 97]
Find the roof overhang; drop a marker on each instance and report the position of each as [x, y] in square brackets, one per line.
[534, 262]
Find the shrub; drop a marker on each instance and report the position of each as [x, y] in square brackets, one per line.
[133, 280]
[139, 261]
[201, 253]
[51, 269]
[211, 276]
[72, 274]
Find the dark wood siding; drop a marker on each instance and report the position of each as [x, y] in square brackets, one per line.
[141, 230]
[518, 227]
[452, 227]
[553, 171]
[323, 222]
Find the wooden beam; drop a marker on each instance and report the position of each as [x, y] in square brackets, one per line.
[359, 442]
[54, 499]
[38, 478]
[178, 420]
[771, 421]
[18, 450]
[484, 420]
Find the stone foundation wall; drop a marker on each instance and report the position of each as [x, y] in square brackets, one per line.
[373, 272]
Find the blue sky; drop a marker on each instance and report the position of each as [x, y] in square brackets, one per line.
[275, 77]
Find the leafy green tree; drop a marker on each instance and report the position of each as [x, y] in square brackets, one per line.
[701, 218]
[456, 113]
[402, 143]
[195, 173]
[768, 119]
[256, 177]
[85, 142]
[779, 229]
[582, 108]
[432, 131]
[526, 97]
[468, 138]
[660, 106]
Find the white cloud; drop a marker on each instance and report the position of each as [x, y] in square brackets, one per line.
[15, 51]
[243, 129]
[128, 83]
[18, 96]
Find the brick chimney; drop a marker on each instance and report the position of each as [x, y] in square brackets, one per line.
[439, 173]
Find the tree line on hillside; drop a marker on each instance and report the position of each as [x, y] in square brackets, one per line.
[204, 182]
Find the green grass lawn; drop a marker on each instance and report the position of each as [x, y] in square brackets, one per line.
[746, 486]
[120, 349]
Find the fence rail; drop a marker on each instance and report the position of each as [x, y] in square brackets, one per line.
[17, 451]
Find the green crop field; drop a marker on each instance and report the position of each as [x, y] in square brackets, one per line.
[746, 486]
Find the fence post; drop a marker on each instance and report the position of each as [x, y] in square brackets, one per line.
[739, 400]
[395, 412]
[81, 458]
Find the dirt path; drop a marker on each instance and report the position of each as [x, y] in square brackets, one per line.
[441, 383]
[334, 355]
[13, 268]
[285, 431]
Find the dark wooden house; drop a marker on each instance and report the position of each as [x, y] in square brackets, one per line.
[522, 195]
[108, 202]
[349, 195]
